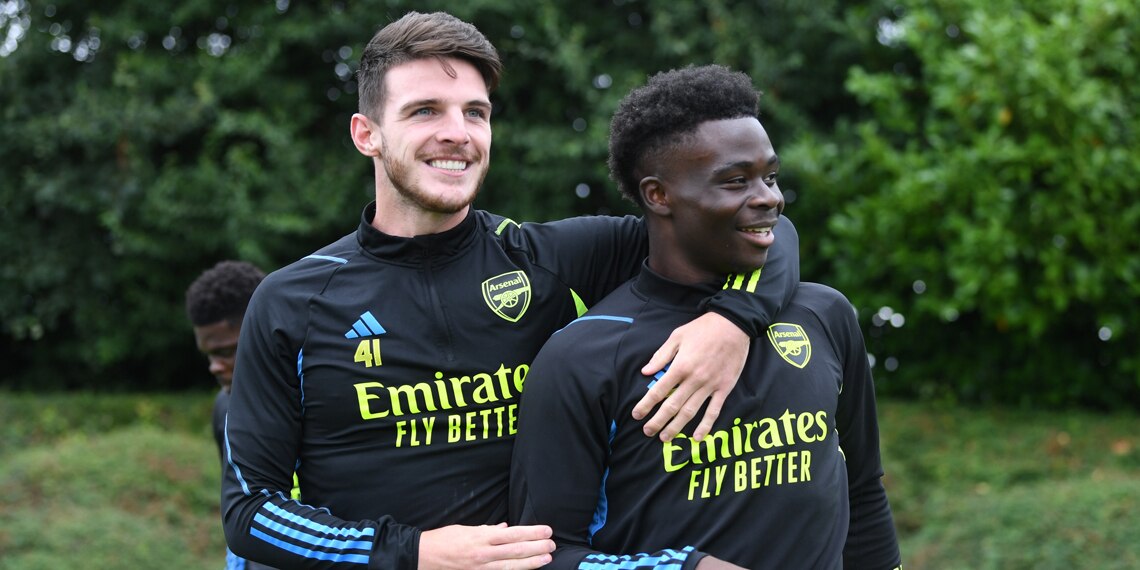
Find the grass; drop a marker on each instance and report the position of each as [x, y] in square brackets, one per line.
[113, 481]
[1012, 489]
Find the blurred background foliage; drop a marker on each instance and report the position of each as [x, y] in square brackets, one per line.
[964, 170]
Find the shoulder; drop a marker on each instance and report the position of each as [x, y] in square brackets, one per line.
[834, 313]
[600, 329]
[827, 306]
[291, 286]
[821, 298]
[316, 267]
[509, 229]
[222, 401]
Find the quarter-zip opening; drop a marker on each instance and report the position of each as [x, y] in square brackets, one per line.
[447, 344]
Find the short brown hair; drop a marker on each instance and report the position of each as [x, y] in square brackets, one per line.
[419, 36]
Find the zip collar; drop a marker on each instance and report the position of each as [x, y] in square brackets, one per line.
[414, 249]
[652, 286]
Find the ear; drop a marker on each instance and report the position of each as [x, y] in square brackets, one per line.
[654, 196]
[362, 129]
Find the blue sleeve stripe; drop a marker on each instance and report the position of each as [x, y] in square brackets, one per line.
[663, 560]
[279, 513]
[340, 260]
[602, 509]
[233, 562]
[626, 320]
[307, 553]
[603, 318]
[230, 457]
[328, 543]
[301, 377]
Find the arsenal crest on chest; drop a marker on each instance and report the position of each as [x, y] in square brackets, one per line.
[791, 343]
[508, 295]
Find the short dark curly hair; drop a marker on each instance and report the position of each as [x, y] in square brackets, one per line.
[667, 109]
[222, 293]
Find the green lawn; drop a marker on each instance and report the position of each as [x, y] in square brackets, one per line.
[124, 481]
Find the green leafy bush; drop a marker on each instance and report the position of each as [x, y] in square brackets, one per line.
[141, 143]
[42, 419]
[990, 198]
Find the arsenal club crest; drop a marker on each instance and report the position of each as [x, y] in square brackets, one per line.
[791, 342]
[508, 295]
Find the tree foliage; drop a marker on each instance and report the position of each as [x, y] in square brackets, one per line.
[980, 148]
[991, 197]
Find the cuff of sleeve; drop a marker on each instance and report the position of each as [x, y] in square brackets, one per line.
[748, 327]
[396, 546]
[692, 560]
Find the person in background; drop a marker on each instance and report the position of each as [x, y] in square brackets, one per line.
[790, 476]
[215, 303]
[385, 368]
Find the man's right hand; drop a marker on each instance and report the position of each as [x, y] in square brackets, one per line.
[498, 547]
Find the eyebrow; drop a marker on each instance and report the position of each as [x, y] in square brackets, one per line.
[775, 160]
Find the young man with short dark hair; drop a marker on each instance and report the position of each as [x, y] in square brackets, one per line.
[215, 303]
[789, 477]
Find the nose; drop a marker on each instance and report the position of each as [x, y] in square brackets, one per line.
[453, 128]
[217, 365]
[767, 196]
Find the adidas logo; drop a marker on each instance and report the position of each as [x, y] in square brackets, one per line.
[366, 325]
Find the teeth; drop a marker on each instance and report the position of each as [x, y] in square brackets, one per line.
[763, 230]
[449, 164]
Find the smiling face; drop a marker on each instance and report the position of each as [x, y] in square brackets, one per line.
[432, 144]
[716, 201]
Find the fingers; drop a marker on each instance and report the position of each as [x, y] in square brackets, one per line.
[520, 547]
[663, 356]
[712, 412]
[688, 405]
[705, 358]
[527, 563]
[490, 547]
[676, 410]
[663, 386]
[522, 533]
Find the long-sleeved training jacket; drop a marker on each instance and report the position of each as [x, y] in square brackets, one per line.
[386, 372]
[789, 477]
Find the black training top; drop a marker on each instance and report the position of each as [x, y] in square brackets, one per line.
[218, 420]
[788, 478]
[386, 371]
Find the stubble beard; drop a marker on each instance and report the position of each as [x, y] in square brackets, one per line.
[402, 181]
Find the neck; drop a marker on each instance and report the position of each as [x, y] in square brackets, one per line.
[668, 259]
[397, 216]
[683, 273]
[411, 222]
